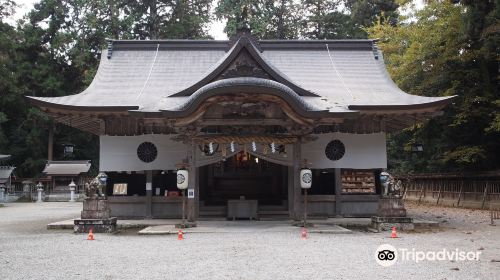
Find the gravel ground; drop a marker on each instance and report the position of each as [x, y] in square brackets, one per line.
[29, 251]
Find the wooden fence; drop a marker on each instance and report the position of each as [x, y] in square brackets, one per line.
[480, 191]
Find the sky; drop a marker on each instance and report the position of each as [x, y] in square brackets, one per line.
[216, 29]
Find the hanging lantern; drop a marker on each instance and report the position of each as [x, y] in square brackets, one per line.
[305, 178]
[417, 148]
[182, 179]
[254, 146]
[232, 147]
[68, 149]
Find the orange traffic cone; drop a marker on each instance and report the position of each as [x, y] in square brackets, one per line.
[303, 234]
[91, 235]
[180, 235]
[393, 233]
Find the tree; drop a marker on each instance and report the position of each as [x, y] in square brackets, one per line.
[55, 51]
[268, 19]
[364, 13]
[166, 19]
[325, 20]
[450, 49]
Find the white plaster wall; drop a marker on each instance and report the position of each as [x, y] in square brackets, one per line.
[362, 151]
[119, 153]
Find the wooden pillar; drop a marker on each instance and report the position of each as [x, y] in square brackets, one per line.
[297, 194]
[291, 193]
[338, 192]
[149, 194]
[192, 203]
[50, 148]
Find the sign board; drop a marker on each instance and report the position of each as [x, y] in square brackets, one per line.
[190, 193]
[120, 189]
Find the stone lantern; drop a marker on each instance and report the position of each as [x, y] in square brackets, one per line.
[39, 188]
[72, 188]
[2, 192]
[68, 149]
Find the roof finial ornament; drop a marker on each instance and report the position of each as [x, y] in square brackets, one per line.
[243, 29]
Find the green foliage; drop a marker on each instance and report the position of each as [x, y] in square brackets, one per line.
[152, 19]
[55, 50]
[312, 19]
[448, 50]
[268, 19]
[445, 49]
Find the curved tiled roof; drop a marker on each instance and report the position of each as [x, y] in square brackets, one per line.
[245, 84]
[335, 76]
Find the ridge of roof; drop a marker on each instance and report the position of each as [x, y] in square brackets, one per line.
[223, 44]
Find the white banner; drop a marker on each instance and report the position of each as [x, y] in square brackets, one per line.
[119, 153]
[362, 151]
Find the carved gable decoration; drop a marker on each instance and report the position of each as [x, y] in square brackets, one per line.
[243, 66]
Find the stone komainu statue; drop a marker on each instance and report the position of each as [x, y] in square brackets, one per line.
[391, 186]
[94, 189]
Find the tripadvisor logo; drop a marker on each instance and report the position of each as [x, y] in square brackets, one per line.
[387, 255]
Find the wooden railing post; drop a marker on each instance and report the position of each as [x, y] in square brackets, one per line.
[485, 194]
[421, 193]
[460, 192]
[439, 192]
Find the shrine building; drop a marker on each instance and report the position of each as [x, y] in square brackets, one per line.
[244, 116]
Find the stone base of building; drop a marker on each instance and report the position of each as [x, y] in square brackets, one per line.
[387, 223]
[97, 225]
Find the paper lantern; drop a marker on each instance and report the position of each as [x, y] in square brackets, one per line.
[182, 179]
[305, 178]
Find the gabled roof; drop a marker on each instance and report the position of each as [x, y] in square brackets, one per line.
[244, 44]
[165, 76]
[70, 168]
[4, 157]
[5, 172]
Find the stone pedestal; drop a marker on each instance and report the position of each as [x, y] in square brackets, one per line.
[96, 215]
[97, 225]
[96, 208]
[386, 223]
[391, 207]
[391, 213]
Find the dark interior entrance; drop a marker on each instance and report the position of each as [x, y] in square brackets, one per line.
[243, 176]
